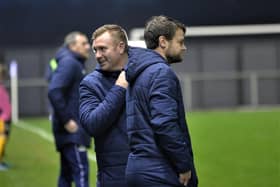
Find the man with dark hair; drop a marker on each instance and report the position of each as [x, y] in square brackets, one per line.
[70, 138]
[161, 152]
[102, 105]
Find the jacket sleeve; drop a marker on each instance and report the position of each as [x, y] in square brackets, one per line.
[60, 83]
[96, 114]
[165, 123]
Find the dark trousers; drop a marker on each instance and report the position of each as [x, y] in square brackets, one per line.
[73, 166]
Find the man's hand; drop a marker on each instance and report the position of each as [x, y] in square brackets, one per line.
[185, 177]
[71, 126]
[121, 81]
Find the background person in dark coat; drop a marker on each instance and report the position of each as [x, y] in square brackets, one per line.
[70, 138]
[102, 105]
[161, 152]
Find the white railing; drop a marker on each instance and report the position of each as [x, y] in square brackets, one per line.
[221, 30]
[253, 77]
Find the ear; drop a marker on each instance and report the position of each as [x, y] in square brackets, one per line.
[163, 42]
[72, 47]
[122, 47]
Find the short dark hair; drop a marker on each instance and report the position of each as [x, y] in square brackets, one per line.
[158, 26]
[117, 31]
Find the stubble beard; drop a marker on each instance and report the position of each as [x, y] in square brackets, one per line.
[174, 59]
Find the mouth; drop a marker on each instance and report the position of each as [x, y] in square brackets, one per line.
[102, 62]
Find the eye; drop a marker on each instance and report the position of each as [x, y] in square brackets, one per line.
[102, 49]
[99, 49]
[182, 42]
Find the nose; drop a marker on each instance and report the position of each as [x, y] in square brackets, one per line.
[184, 48]
[97, 54]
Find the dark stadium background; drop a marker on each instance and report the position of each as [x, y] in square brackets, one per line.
[47, 21]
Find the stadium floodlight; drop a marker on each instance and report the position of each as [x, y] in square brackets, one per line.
[14, 90]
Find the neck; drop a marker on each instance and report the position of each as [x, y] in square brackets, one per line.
[161, 52]
[123, 61]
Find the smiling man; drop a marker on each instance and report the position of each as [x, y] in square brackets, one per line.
[102, 105]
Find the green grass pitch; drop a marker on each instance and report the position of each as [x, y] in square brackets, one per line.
[231, 149]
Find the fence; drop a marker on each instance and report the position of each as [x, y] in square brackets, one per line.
[248, 84]
[253, 79]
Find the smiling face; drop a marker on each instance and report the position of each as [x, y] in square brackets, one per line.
[108, 52]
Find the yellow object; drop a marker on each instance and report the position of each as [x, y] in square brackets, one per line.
[53, 64]
[2, 138]
[2, 126]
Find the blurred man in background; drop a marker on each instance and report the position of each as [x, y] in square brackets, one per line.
[70, 138]
[161, 152]
[102, 105]
[5, 117]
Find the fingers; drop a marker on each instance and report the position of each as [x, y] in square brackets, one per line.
[71, 126]
[121, 81]
[184, 181]
[184, 178]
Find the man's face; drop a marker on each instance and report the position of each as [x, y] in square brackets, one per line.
[81, 46]
[176, 48]
[108, 52]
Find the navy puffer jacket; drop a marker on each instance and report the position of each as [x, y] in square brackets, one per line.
[157, 131]
[102, 114]
[63, 94]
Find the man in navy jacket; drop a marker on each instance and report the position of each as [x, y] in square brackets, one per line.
[102, 105]
[161, 152]
[70, 138]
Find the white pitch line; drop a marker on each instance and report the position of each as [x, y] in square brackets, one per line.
[40, 132]
[43, 134]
